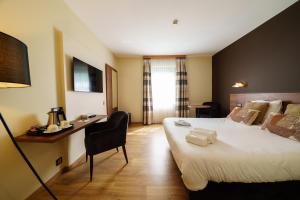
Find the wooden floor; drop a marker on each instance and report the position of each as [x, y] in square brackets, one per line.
[150, 174]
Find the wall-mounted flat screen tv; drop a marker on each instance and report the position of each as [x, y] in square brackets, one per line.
[86, 78]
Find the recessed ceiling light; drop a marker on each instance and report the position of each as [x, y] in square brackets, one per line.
[175, 21]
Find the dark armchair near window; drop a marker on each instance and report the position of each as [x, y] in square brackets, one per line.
[104, 136]
[209, 110]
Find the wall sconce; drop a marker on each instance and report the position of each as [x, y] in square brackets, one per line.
[240, 84]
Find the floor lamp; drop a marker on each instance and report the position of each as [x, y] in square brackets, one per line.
[14, 73]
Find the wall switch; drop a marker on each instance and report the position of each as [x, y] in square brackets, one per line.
[58, 161]
[239, 105]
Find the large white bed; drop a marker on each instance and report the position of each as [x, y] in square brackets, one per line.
[242, 153]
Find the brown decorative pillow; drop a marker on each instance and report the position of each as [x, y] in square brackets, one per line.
[268, 120]
[260, 106]
[234, 111]
[285, 125]
[246, 116]
[293, 109]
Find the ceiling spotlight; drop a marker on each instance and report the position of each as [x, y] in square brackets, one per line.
[175, 21]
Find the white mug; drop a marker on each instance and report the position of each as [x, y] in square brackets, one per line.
[52, 128]
[64, 124]
[84, 117]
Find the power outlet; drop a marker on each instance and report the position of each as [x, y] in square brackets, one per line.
[58, 161]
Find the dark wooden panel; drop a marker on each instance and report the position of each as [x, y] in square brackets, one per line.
[50, 139]
[267, 58]
[236, 99]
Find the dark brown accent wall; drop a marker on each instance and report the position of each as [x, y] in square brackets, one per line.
[268, 58]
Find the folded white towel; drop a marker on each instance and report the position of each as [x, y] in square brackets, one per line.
[210, 134]
[181, 122]
[200, 140]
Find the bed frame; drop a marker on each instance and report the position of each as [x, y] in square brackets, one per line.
[253, 191]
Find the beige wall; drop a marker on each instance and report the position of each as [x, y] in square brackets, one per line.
[34, 22]
[131, 83]
[200, 80]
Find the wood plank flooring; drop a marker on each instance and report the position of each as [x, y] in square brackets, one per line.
[150, 174]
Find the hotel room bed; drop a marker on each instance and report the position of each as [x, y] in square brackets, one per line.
[244, 154]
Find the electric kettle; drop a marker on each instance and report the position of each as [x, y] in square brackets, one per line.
[56, 115]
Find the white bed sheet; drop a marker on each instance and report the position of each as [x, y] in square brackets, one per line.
[242, 154]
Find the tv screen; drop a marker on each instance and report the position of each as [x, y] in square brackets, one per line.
[86, 78]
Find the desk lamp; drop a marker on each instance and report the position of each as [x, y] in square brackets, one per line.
[14, 73]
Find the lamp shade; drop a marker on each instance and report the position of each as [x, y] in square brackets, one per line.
[14, 66]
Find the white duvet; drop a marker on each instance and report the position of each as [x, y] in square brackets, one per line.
[241, 154]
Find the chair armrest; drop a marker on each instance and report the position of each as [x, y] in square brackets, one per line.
[96, 127]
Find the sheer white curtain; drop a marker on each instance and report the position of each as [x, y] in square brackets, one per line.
[163, 72]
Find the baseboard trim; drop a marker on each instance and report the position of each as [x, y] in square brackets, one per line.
[74, 164]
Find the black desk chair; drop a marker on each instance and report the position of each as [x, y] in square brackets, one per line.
[212, 111]
[104, 136]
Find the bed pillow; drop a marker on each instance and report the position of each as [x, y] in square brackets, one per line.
[275, 106]
[234, 111]
[285, 125]
[268, 120]
[293, 109]
[260, 106]
[246, 116]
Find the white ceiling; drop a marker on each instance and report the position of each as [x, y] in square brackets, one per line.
[144, 27]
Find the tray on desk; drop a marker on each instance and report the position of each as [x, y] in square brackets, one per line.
[41, 132]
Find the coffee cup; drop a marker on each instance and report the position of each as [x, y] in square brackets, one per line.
[52, 128]
[64, 124]
[84, 117]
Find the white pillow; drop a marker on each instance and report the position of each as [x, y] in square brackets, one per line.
[274, 107]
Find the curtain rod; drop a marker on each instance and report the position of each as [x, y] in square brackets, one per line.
[164, 56]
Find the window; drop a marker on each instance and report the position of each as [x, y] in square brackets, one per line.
[163, 75]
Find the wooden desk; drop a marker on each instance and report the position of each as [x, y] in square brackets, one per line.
[54, 138]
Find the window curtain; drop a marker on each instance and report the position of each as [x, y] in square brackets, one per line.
[163, 73]
[147, 93]
[182, 98]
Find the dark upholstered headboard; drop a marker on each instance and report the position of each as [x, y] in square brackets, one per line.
[240, 99]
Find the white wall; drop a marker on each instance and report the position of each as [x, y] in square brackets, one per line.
[131, 83]
[78, 103]
[35, 23]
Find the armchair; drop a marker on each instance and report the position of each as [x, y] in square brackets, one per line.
[104, 136]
